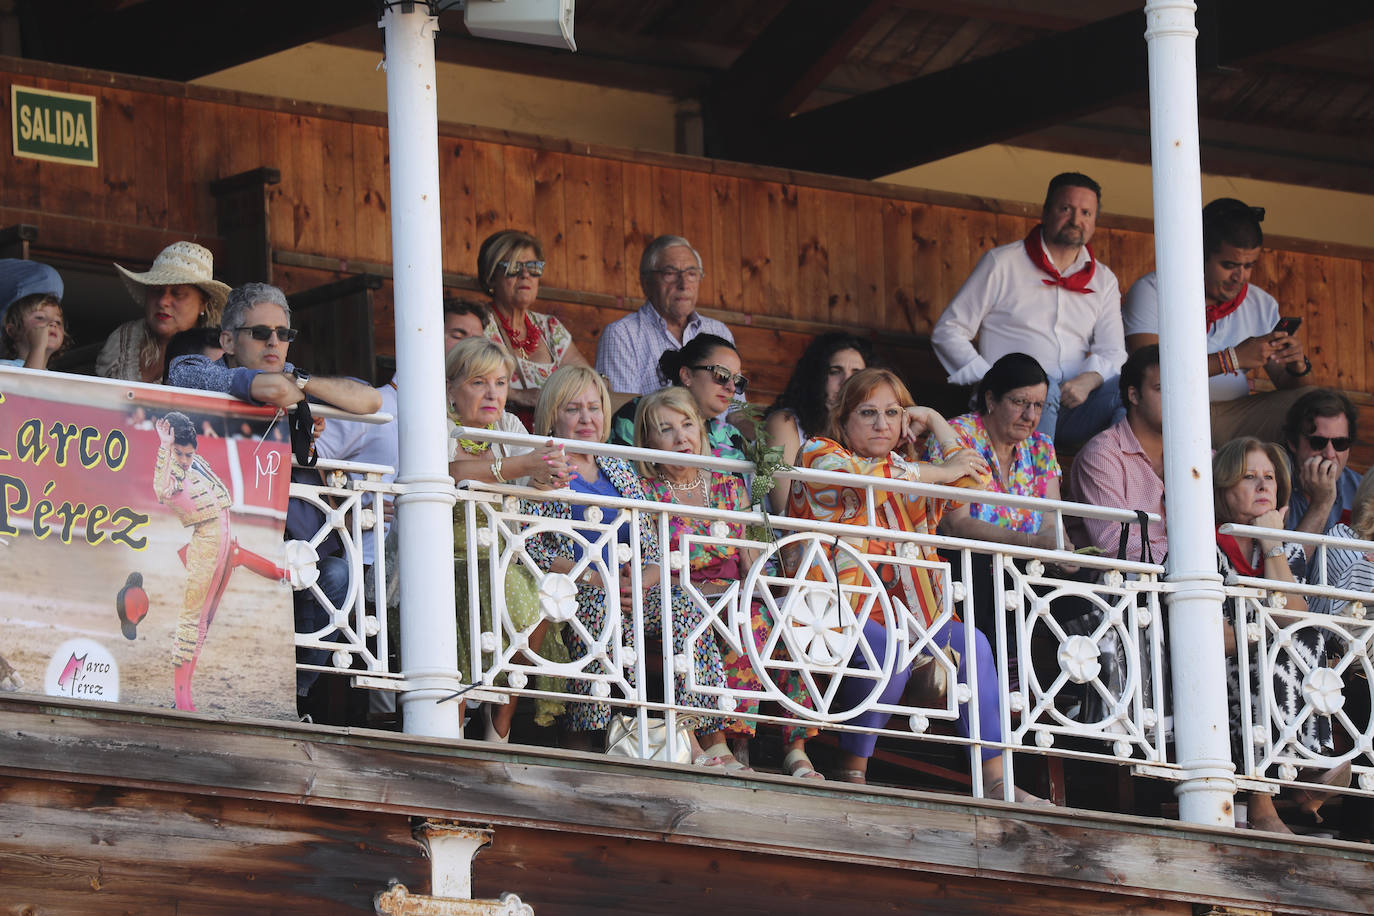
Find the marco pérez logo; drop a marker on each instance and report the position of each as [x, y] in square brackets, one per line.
[82, 669]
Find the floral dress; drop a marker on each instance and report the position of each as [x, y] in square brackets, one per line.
[521, 597]
[528, 373]
[592, 609]
[1033, 467]
[713, 568]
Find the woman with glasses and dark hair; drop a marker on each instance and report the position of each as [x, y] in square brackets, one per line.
[509, 265]
[1002, 428]
[708, 367]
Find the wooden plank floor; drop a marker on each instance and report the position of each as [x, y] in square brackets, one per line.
[165, 804]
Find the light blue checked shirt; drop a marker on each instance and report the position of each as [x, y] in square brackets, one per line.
[628, 351]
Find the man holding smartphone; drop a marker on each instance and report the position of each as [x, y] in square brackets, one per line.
[1244, 328]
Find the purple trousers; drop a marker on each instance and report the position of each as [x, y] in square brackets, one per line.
[853, 690]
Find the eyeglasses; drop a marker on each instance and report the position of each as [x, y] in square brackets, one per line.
[1318, 443]
[673, 274]
[723, 376]
[1022, 403]
[263, 332]
[513, 268]
[872, 415]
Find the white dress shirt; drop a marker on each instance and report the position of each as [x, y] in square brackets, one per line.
[1006, 305]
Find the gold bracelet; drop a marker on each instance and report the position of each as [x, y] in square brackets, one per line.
[496, 468]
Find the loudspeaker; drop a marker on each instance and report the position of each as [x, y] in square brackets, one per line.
[534, 22]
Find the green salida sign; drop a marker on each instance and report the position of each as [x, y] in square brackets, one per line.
[53, 126]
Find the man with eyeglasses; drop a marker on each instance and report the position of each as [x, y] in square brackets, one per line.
[255, 332]
[1318, 432]
[670, 274]
[1048, 297]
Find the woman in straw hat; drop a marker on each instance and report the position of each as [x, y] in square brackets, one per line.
[178, 292]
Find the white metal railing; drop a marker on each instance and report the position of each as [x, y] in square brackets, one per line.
[1094, 687]
[1045, 676]
[1270, 638]
[356, 634]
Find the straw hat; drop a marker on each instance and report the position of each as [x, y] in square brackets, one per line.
[179, 264]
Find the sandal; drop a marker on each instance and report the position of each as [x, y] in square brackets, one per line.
[724, 762]
[1311, 801]
[798, 765]
[856, 777]
[489, 732]
[992, 790]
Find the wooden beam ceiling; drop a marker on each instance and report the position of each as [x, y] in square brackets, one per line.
[177, 40]
[1051, 81]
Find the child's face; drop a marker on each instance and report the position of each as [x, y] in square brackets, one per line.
[182, 455]
[45, 316]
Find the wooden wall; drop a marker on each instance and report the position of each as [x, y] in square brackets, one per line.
[787, 254]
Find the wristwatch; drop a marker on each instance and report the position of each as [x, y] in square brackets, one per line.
[301, 378]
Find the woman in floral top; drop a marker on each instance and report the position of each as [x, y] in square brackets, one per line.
[509, 265]
[668, 420]
[1010, 399]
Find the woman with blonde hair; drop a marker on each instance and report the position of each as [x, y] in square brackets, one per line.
[478, 373]
[668, 420]
[574, 404]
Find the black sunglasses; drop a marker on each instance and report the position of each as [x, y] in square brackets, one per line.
[722, 375]
[263, 332]
[1318, 443]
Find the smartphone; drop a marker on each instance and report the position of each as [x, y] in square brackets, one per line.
[1287, 325]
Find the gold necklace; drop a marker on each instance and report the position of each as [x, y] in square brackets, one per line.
[698, 483]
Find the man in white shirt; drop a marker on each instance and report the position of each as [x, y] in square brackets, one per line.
[1242, 322]
[1048, 297]
[670, 273]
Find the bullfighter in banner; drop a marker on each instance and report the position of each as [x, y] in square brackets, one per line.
[185, 483]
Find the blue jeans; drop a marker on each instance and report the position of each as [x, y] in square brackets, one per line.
[1079, 424]
[311, 616]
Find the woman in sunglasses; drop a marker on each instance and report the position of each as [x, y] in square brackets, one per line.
[708, 367]
[509, 265]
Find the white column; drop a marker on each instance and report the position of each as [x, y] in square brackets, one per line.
[1198, 658]
[451, 848]
[424, 518]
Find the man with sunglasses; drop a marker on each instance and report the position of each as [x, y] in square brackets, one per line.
[670, 274]
[255, 332]
[1318, 432]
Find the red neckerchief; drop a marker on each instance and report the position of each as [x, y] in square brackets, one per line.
[1228, 546]
[1077, 283]
[1216, 312]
